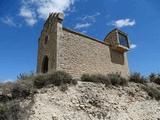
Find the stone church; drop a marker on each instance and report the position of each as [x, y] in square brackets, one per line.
[63, 49]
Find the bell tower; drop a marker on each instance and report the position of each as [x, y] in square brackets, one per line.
[47, 44]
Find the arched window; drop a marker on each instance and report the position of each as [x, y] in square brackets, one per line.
[45, 64]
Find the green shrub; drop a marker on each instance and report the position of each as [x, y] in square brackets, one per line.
[110, 79]
[152, 92]
[101, 79]
[86, 78]
[3, 110]
[12, 111]
[4, 98]
[155, 78]
[57, 78]
[124, 82]
[116, 79]
[22, 89]
[137, 78]
[40, 81]
[152, 77]
[96, 78]
[60, 77]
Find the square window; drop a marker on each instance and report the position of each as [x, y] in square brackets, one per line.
[123, 40]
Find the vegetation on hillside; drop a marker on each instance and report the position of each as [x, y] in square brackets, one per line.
[12, 93]
[110, 79]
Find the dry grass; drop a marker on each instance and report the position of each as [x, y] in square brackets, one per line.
[110, 79]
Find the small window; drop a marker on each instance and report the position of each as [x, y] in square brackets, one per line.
[123, 40]
[46, 40]
[45, 64]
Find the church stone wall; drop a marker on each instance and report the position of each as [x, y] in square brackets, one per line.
[79, 54]
[76, 53]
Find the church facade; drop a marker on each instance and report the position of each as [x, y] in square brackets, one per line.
[63, 49]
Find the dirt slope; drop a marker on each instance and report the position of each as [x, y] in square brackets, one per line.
[90, 101]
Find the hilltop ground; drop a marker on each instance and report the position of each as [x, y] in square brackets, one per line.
[59, 97]
[90, 101]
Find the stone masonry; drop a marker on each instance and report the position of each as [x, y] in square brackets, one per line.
[62, 49]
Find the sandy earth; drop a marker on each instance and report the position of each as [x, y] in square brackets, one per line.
[89, 101]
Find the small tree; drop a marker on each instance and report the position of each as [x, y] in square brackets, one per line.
[152, 77]
[155, 78]
[137, 78]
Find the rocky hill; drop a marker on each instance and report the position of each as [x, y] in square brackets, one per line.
[90, 101]
[57, 96]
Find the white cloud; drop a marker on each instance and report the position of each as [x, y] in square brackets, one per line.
[9, 21]
[91, 17]
[123, 23]
[79, 25]
[25, 12]
[132, 46]
[30, 21]
[86, 21]
[47, 6]
[29, 15]
[32, 10]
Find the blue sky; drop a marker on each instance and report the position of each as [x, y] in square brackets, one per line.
[21, 22]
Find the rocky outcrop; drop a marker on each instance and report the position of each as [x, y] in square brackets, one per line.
[90, 101]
